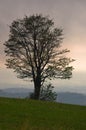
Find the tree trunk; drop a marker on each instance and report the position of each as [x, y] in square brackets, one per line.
[37, 86]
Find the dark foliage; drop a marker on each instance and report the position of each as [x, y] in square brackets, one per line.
[47, 93]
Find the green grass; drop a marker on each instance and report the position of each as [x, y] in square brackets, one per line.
[23, 114]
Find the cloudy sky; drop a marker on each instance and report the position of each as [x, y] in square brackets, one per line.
[68, 14]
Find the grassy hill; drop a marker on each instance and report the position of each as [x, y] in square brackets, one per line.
[23, 114]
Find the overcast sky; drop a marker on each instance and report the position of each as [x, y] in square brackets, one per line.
[68, 14]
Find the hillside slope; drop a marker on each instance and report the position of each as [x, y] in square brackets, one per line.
[23, 114]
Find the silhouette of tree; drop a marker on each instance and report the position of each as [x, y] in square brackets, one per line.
[34, 51]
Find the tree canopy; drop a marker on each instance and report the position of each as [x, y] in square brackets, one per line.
[34, 51]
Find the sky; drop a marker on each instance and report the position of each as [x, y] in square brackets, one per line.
[67, 14]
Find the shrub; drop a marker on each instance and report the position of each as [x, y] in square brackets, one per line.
[47, 93]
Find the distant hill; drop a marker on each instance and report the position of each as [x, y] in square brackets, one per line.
[15, 92]
[63, 97]
[72, 98]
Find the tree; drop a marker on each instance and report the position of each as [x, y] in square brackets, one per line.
[33, 51]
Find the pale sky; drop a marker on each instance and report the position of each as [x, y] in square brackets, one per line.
[68, 14]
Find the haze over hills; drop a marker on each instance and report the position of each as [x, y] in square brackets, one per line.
[63, 97]
[15, 92]
[72, 98]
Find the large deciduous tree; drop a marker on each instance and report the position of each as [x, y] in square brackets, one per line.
[33, 51]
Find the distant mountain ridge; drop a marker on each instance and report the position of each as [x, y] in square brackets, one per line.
[15, 92]
[72, 98]
[63, 97]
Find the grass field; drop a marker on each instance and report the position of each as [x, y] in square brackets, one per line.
[23, 114]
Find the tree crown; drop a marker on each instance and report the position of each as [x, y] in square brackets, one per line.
[34, 49]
